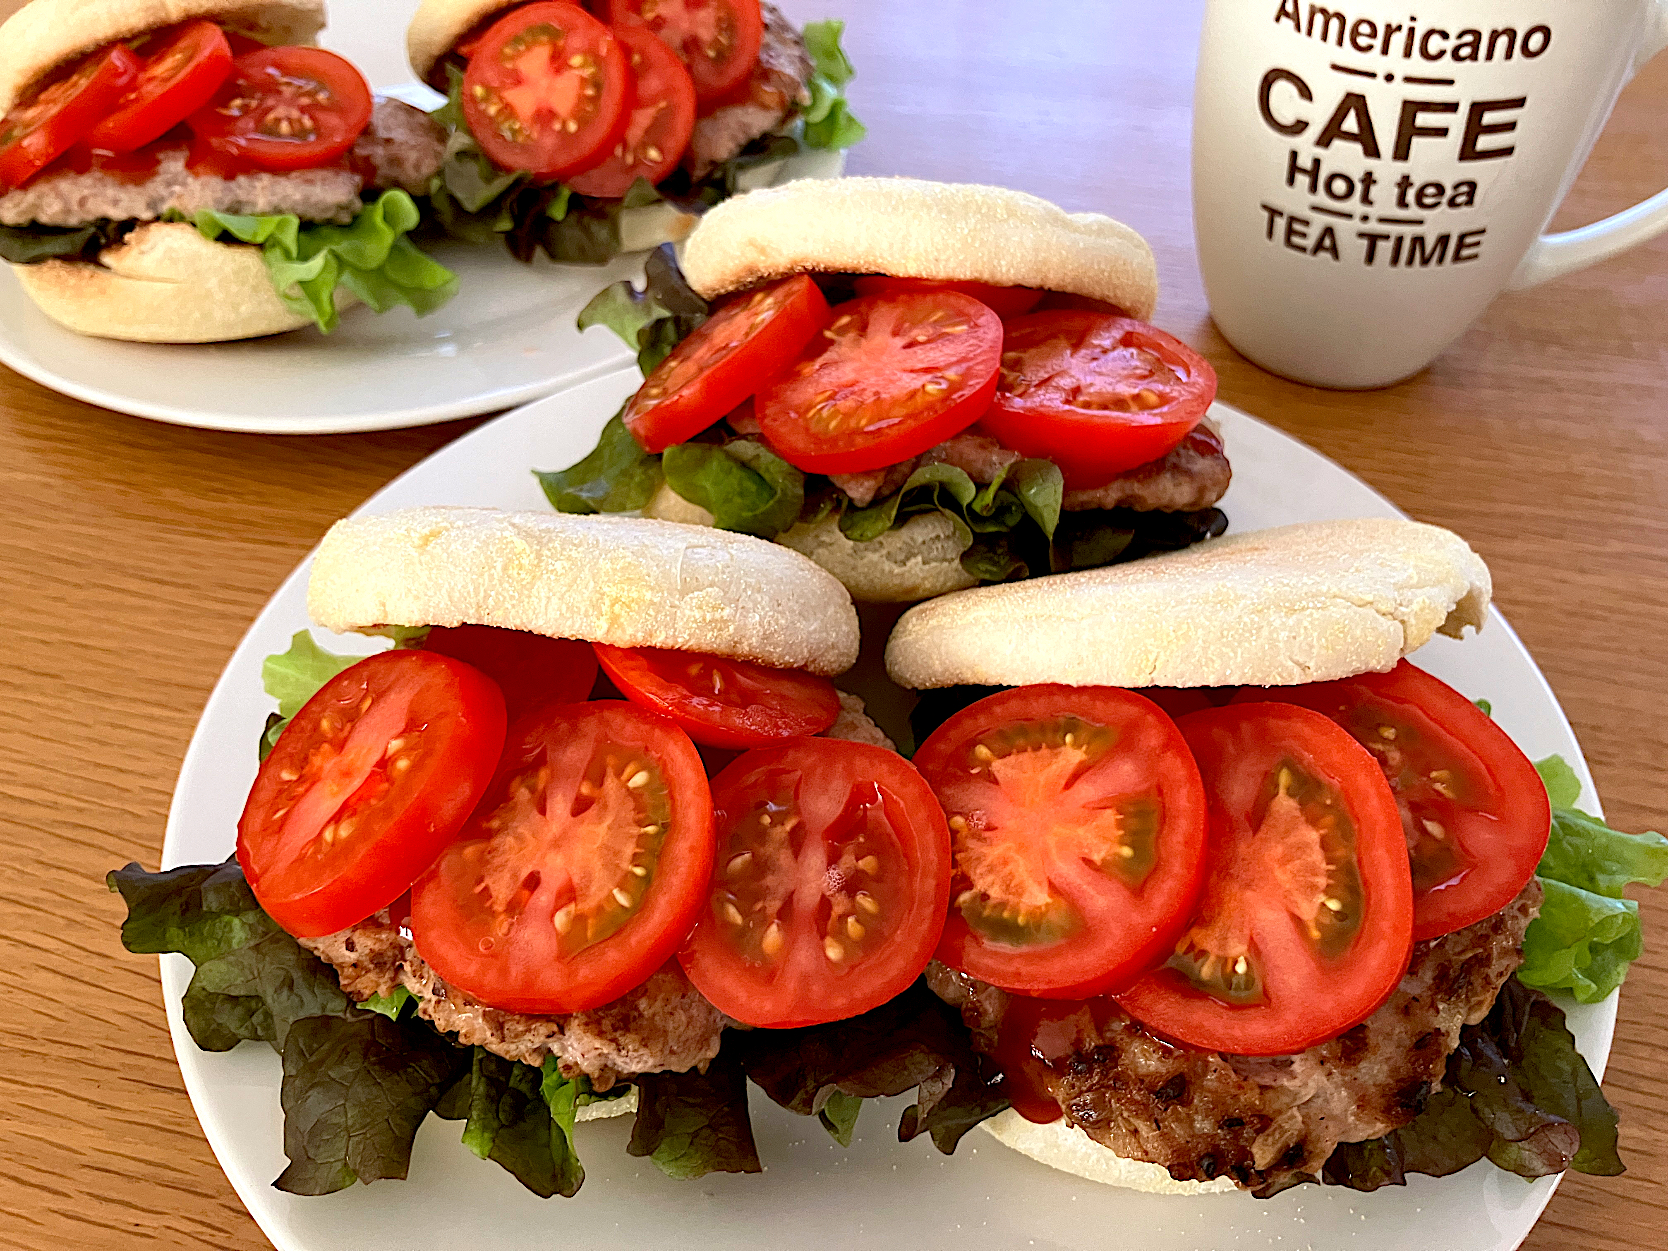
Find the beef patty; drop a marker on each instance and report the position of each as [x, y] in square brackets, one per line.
[1264, 1120]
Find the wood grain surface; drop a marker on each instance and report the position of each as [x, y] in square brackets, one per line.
[134, 554]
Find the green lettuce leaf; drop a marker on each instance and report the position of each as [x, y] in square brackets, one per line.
[356, 1088]
[915, 1042]
[1587, 935]
[653, 320]
[691, 1124]
[828, 121]
[392, 1005]
[294, 676]
[744, 485]
[512, 1121]
[838, 1115]
[30, 245]
[371, 257]
[616, 477]
[1516, 1091]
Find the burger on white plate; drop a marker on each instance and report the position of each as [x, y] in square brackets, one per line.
[586, 131]
[922, 386]
[191, 171]
[1240, 892]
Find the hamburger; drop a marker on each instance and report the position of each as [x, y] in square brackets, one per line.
[585, 131]
[191, 171]
[1356, 845]
[599, 803]
[921, 386]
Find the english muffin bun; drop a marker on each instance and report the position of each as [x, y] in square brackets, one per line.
[1066, 1147]
[911, 228]
[164, 283]
[628, 581]
[41, 36]
[1302, 603]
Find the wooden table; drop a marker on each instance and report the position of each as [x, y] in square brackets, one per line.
[133, 555]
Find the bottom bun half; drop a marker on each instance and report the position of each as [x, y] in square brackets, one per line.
[164, 283]
[1064, 1146]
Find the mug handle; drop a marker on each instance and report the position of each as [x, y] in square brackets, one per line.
[1553, 256]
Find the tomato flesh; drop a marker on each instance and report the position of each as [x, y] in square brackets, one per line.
[1305, 923]
[1003, 301]
[365, 787]
[828, 891]
[286, 108]
[718, 40]
[1096, 394]
[178, 77]
[547, 90]
[531, 669]
[725, 360]
[720, 701]
[1078, 821]
[581, 869]
[40, 129]
[894, 376]
[658, 125]
[1474, 811]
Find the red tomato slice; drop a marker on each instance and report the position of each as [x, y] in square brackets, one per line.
[531, 669]
[897, 374]
[829, 889]
[582, 869]
[718, 39]
[44, 126]
[1096, 394]
[1079, 827]
[1004, 301]
[1474, 811]
[721, 702]
[547, 90]
[1305, 923]
[178, 77]
[372, 778]
[286, 108]
[660, 121]
[725, 360]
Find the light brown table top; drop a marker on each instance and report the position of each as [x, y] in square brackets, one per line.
[133, 555]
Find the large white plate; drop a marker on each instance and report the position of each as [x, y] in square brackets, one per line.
[814, 1194]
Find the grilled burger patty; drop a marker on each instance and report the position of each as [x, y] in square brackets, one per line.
[401, 147]
[1264, 1120]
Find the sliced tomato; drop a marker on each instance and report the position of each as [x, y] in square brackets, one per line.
[1078, 822]
[719, 701]
[181, 73]
[1474, 810]
[45, 125]
[1003, 301]
[718, 39]
[829, 888]
[725, 360]
[662, 117]
[1305, 923]
[581, 870]
[531, 669]
[896, 375]
[365, 787]
[286, 108]
[547, 90]
[1096, 394]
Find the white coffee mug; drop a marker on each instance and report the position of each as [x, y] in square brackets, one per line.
[1368, 176]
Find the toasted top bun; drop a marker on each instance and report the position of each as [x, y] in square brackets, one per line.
[41, 36]
[1303, 603]
[911, 228]
[629, 581]
[1065, 1147]
[164, 283]
[439, 24]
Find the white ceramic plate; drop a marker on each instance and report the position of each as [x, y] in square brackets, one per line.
[814, 1194]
